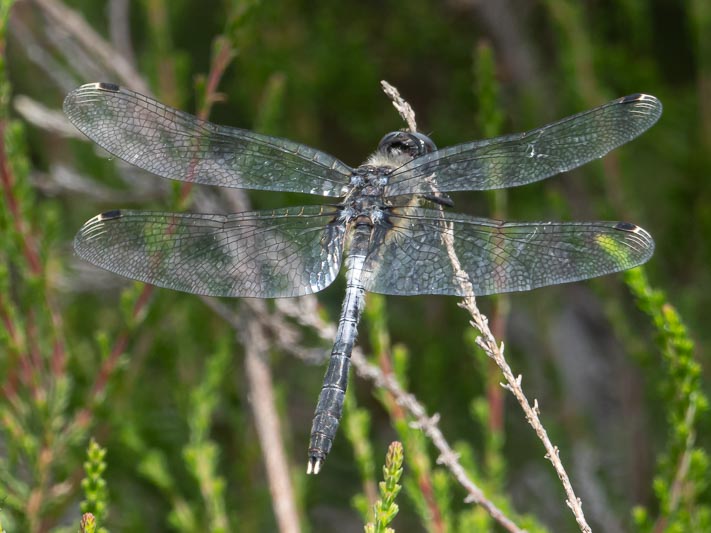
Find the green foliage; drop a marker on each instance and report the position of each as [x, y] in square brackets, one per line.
[385, 509]
[156, 376]
[201, 453]
[40, 428]
[418, 482]
[356, 425]
[682, 472]
[490, 117]
[95, 504]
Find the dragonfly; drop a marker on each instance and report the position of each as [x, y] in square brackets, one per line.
[388, 219]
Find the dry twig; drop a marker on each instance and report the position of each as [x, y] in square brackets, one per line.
[488, 343]
[267, 422]
[72, 22]
[47, 119]
[405, 110]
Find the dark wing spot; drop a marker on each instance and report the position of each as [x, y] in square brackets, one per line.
[108, 86]
[632, 98]
[108, 215]
[626, 226]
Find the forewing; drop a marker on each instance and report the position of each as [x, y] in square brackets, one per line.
[179, 146]
[262, 254]
[427, 251]
[523, 158]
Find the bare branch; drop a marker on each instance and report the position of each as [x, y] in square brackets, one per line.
[74, 24]
[282, 333]
[39, 55]
[496, 352]
[120, 28]
[43, 117]
[266, 420]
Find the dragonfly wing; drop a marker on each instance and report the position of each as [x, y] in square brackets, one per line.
[523, 158]
[428, 251]
[180, 146]
[261, 254]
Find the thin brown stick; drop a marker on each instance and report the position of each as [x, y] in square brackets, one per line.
[72, 22]
[283, 334]
[405, 110]
[43, 117]
[266, 420]
[487, 342]
[119, 14]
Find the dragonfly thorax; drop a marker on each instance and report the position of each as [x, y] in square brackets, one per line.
[364, 210]
[369, 180]
[366, 202]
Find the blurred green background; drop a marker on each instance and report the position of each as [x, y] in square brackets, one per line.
[159, 378]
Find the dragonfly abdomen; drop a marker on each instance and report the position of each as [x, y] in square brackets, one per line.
[330, 401]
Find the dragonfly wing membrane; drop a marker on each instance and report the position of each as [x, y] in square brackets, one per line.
[428, 251]
[261, 254]
[523, 158]
[176, 145]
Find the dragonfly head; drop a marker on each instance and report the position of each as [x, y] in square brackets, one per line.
[398, 143]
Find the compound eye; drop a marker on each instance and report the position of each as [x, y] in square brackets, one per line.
[403, 142]
[390, 139]
[426, 145]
